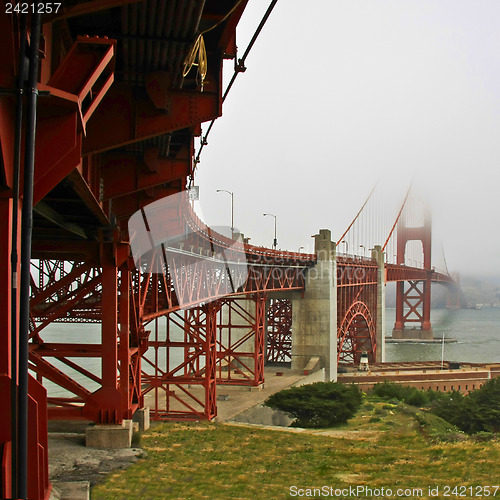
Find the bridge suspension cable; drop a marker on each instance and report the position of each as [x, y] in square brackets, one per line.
[397, 219]
[239, 67]
[370, 226]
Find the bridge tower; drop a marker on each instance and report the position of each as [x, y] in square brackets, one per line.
[413, 297]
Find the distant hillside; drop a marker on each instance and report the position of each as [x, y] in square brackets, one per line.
[481, 290]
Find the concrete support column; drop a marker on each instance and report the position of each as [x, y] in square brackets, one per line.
[378, 255]
[314, 312]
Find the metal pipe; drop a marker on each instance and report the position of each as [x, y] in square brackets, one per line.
[14, 257]
[26, 235]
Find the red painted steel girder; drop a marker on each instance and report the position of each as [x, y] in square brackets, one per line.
[75, 90]
[125, 174]
[396, 272]
[125, 117]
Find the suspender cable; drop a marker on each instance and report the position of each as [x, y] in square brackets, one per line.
[397, 218]
[26, 235]
[357, 215]
[239, 68]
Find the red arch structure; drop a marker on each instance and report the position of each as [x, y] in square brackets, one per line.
[117, 114]
[357, 334]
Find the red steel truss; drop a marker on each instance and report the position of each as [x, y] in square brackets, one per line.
[179, 370]
[191, 351]
[241, 340]
[279, 331]
[356, 309]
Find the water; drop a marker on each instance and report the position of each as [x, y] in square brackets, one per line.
[477, 333]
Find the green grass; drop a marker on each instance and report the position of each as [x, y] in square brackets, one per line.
[382, 446]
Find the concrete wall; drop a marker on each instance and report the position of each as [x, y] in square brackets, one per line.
[462, 380]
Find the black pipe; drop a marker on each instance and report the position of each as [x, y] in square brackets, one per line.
[26, 234]
[14, 257]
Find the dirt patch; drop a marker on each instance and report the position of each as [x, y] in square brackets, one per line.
[355, 435]
[70, 460]
[340, 433]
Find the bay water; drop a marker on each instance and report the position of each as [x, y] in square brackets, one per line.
[477, 332]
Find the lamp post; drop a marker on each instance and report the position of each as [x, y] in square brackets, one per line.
[275, 244]
[346, 246]
[232, 209]
[300, 248]
[364, 250]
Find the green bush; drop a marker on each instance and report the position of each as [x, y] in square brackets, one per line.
[479, 411]
[483, 436]
[433, 424]
[323, 404]
[409, 395]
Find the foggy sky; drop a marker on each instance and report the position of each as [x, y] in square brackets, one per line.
[340, 93]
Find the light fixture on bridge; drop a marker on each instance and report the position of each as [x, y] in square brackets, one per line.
[232, 209]
[346, 246]
[275, 243]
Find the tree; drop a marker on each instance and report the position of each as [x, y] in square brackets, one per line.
[322, 404]
[479, 411]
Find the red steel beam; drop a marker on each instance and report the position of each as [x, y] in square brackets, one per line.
[125, 174]
[124, 117]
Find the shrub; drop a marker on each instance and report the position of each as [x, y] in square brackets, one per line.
[483, 436]
[409, 395]
[479, 411]
[322, 404]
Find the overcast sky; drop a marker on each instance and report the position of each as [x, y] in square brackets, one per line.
[339, 93]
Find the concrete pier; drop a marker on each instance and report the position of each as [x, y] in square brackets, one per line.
[314, 312]
[378, 255]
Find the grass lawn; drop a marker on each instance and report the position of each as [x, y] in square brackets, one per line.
[380, 447]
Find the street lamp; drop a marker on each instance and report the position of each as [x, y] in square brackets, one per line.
[300, 248]
[346, 246]
[275, 244]
[232, 209]
[364, 250]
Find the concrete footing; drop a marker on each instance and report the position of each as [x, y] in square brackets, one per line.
[253, 388]
[76, 490]
[414, 333]
[141, 416]
[110, 436]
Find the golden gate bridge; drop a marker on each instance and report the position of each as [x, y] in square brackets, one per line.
[101, 102]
